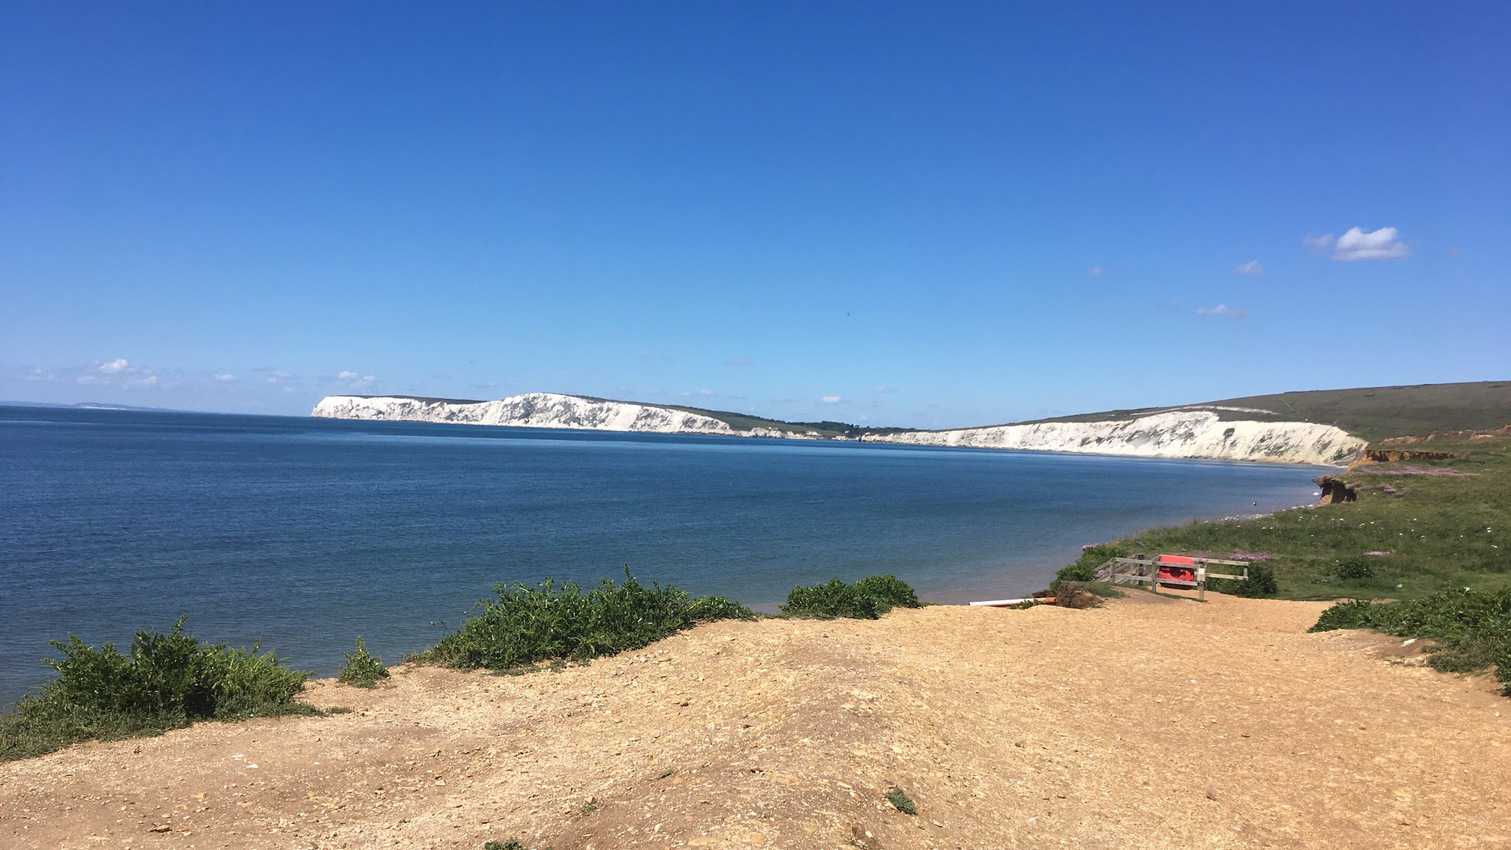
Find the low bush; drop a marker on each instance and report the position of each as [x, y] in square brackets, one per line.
[363, 669]
[1260, 583]
[866, 599]
[902, 802]
[167, 680]
[1084, 570]
[1355, 568]
[524, 624]
[1472, 629]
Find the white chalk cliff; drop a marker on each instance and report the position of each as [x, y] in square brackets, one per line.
[530, 410]
[1178, 433]
[1185, 432]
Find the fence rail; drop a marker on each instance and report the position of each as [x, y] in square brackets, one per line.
[1145, 569]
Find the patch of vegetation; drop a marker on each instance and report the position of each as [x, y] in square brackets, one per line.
[1084, 570]
[1355, 568]
[1441, 532]
[525, 625]
[166, 681]
[1471, 629]
[511, 844]
[866, 599]
[363, 669]
[1260, 583]
[902, 802]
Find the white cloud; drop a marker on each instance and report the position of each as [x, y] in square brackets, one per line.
[1095, 271]
[1382, 244]
[830, 399]
[1224, 311]
[112, 367]
[354, 378]
[224, 378]
[1252, 268]
[38, 374]
[1321, 244]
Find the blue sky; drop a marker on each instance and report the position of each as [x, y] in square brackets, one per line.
[928, 214]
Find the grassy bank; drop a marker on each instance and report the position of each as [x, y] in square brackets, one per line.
[1418, 528]
[170, 680]
[1434, 534]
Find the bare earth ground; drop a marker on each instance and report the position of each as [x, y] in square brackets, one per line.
[1149, 723]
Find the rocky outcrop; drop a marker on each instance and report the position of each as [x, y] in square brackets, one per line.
[1335, 490]
[1173, 433]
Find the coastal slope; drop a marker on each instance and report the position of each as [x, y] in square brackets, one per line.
[1045, 728]
[1182, 433]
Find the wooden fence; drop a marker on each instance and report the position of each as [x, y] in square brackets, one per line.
[1145, 569]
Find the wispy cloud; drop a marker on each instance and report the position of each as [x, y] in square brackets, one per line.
[39, 374]
[276, 376]
[1252, 268]
[830, 399]
[1321, 244]
[1223, 311]
[739, 362]
[1359, 244]
[113, 367]
[355, 379]
[223, 378]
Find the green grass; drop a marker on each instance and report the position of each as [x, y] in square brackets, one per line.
[1432, 552]
[524, 625]
[1470, 629]
[363, 669]
[1437, 533]
[866, 599]
[166, 681]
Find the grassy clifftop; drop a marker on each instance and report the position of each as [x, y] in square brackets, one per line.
[1369, 412]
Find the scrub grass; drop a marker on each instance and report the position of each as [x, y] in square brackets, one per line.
[524, 625]
[866, 599]
[1470, 629]
[1408, 536]
[363, 669]
[166, 681]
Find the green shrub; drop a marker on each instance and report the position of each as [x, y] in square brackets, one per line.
[525, 625]
[902, 802]
[866, 599]
[890, 589]
[1084, 570]
[1472, 629]
[167, 680]
[1355, 568]
[1260, 583]
[511, 844]
[363, 669]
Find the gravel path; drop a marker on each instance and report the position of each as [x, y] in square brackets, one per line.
[1148, 723]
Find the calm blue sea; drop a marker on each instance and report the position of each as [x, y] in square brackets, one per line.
[303, 533]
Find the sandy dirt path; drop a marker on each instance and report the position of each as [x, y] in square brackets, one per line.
[1148, 723]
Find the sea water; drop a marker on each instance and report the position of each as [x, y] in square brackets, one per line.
[303, 533]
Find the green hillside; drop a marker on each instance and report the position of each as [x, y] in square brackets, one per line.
[1369, 412]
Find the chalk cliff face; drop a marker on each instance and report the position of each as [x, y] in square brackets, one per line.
[530, 410]
[1175, 433]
